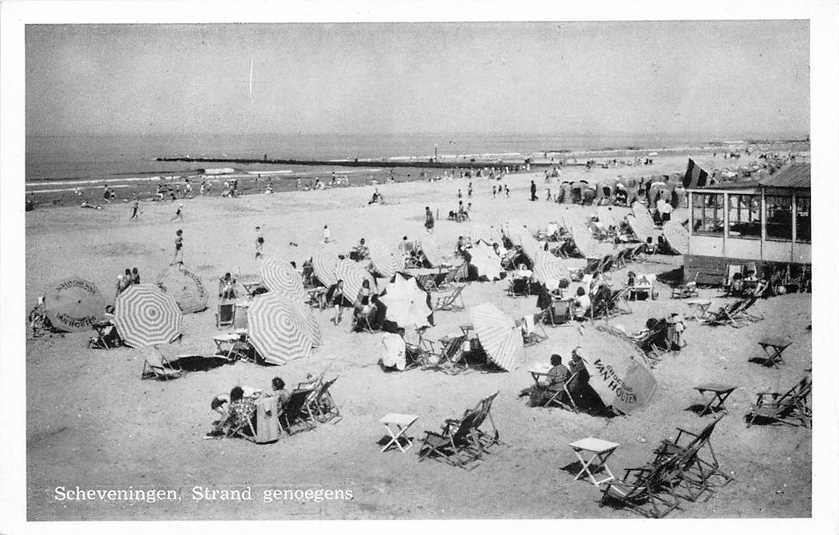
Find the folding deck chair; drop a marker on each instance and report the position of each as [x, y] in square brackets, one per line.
[644, 490]
[320, 406]
[156, 366]
[529, 325]
[791, 407]
[734, 314]
[294, 418]
[562, 397]
[451, 301]
[696, 470]
[455, 274]
[225, 313]
[616, 303]
[455, 444]
[686, 290]
[490, 437]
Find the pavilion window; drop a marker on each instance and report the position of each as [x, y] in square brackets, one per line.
[779, 217]
[744, 216]
[708, 213]
[802, 219]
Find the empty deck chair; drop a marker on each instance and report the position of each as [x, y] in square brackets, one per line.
[320, 406]
[696, 469]
[489, 437]
[456, 444]
[686, 290]
[454, 275]
[294, 418]
[451, 301]
[735, 314]
[791, 407]
[645, 490]
[156, 366]
[225, 313]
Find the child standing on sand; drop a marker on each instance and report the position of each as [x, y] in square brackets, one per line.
[179, 248]
[179, 214]
[326, 235]
[135, 210]
[429, 220]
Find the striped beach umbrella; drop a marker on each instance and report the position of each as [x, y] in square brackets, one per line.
[280, 277]
[309, 319]
[324, 262]
[145, 315]
[548, 270]
[277, 330]
[407, 303]
[385, 260]
[499, 336]
[185, 286]
[353, 274]
[74, 304]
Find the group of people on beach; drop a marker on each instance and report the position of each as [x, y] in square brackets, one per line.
[126, 279]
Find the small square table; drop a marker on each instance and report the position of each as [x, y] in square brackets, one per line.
[774, 347]
[538, 372]
[397, 425]
[715, 402]
[600, 450]
[699, 308]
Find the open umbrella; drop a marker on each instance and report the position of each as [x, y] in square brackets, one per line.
[485, 261]
[618, 375]
[677, 236]
[185, 286]
[74, 304]
[642, 223]
[324, 262]
[277, 330]
[393, 351]
[548, 270]
[385, 260]
[498, 334]
[280, 277]
[433, 251]
[353, 274]
[145, 315]
[309, 319]
[407, 303]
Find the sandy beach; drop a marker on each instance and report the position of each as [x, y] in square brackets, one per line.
[92, 423]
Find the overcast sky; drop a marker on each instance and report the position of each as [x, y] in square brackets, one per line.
[565, 78]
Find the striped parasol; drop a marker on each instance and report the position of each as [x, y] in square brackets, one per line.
[499, 336]
[407, 304]
[385, 260]
[280, 277]
[312, 325]
[277, 330]
[323, 264]
[145, 315]
[185, 286]
[548, 270]
[353, 274]
[74, 304]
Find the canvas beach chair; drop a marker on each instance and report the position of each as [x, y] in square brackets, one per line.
[156, 366]
[561, 397]
[644, 490]
[791, 407]
[319, 406]
[294, 419]
[451, 301]
[489, 437]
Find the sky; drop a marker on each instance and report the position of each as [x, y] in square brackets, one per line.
[560, 78]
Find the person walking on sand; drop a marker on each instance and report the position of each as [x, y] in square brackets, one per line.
[179, 248]
[459, 194]
[469, 190]
[326, 234]
[532, 190]
[493, 191]
[135, 210]
[507, 191]
[260, 242]
[429, 220]
[179, 216]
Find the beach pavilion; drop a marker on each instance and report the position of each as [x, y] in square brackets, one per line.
[765, 222]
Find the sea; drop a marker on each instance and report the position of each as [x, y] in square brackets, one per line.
[58, 165]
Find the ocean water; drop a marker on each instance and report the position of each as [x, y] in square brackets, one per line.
[59, 158]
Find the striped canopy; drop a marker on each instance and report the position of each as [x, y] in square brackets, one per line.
[385, 260]
[485, 261]
[353, 274]
[407, 303]
[185, 286]
[74, 304]
[499, 336]
[277, 330]
[324, 263]
[145, 315]
[548, 270]
[280, 277]
[312, 325]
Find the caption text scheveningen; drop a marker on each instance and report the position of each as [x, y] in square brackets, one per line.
[201, 494]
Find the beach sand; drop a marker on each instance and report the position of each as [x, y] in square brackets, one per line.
[93, 423]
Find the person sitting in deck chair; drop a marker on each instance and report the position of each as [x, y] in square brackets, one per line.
[363, 308]
[240, 411]
[226, 287]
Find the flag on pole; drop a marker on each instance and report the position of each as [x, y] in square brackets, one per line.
[695, 176]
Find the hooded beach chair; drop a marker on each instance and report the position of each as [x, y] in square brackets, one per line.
[791, 407]
[294, 418]
[644, 490]
[451, 301]
[156, 366]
